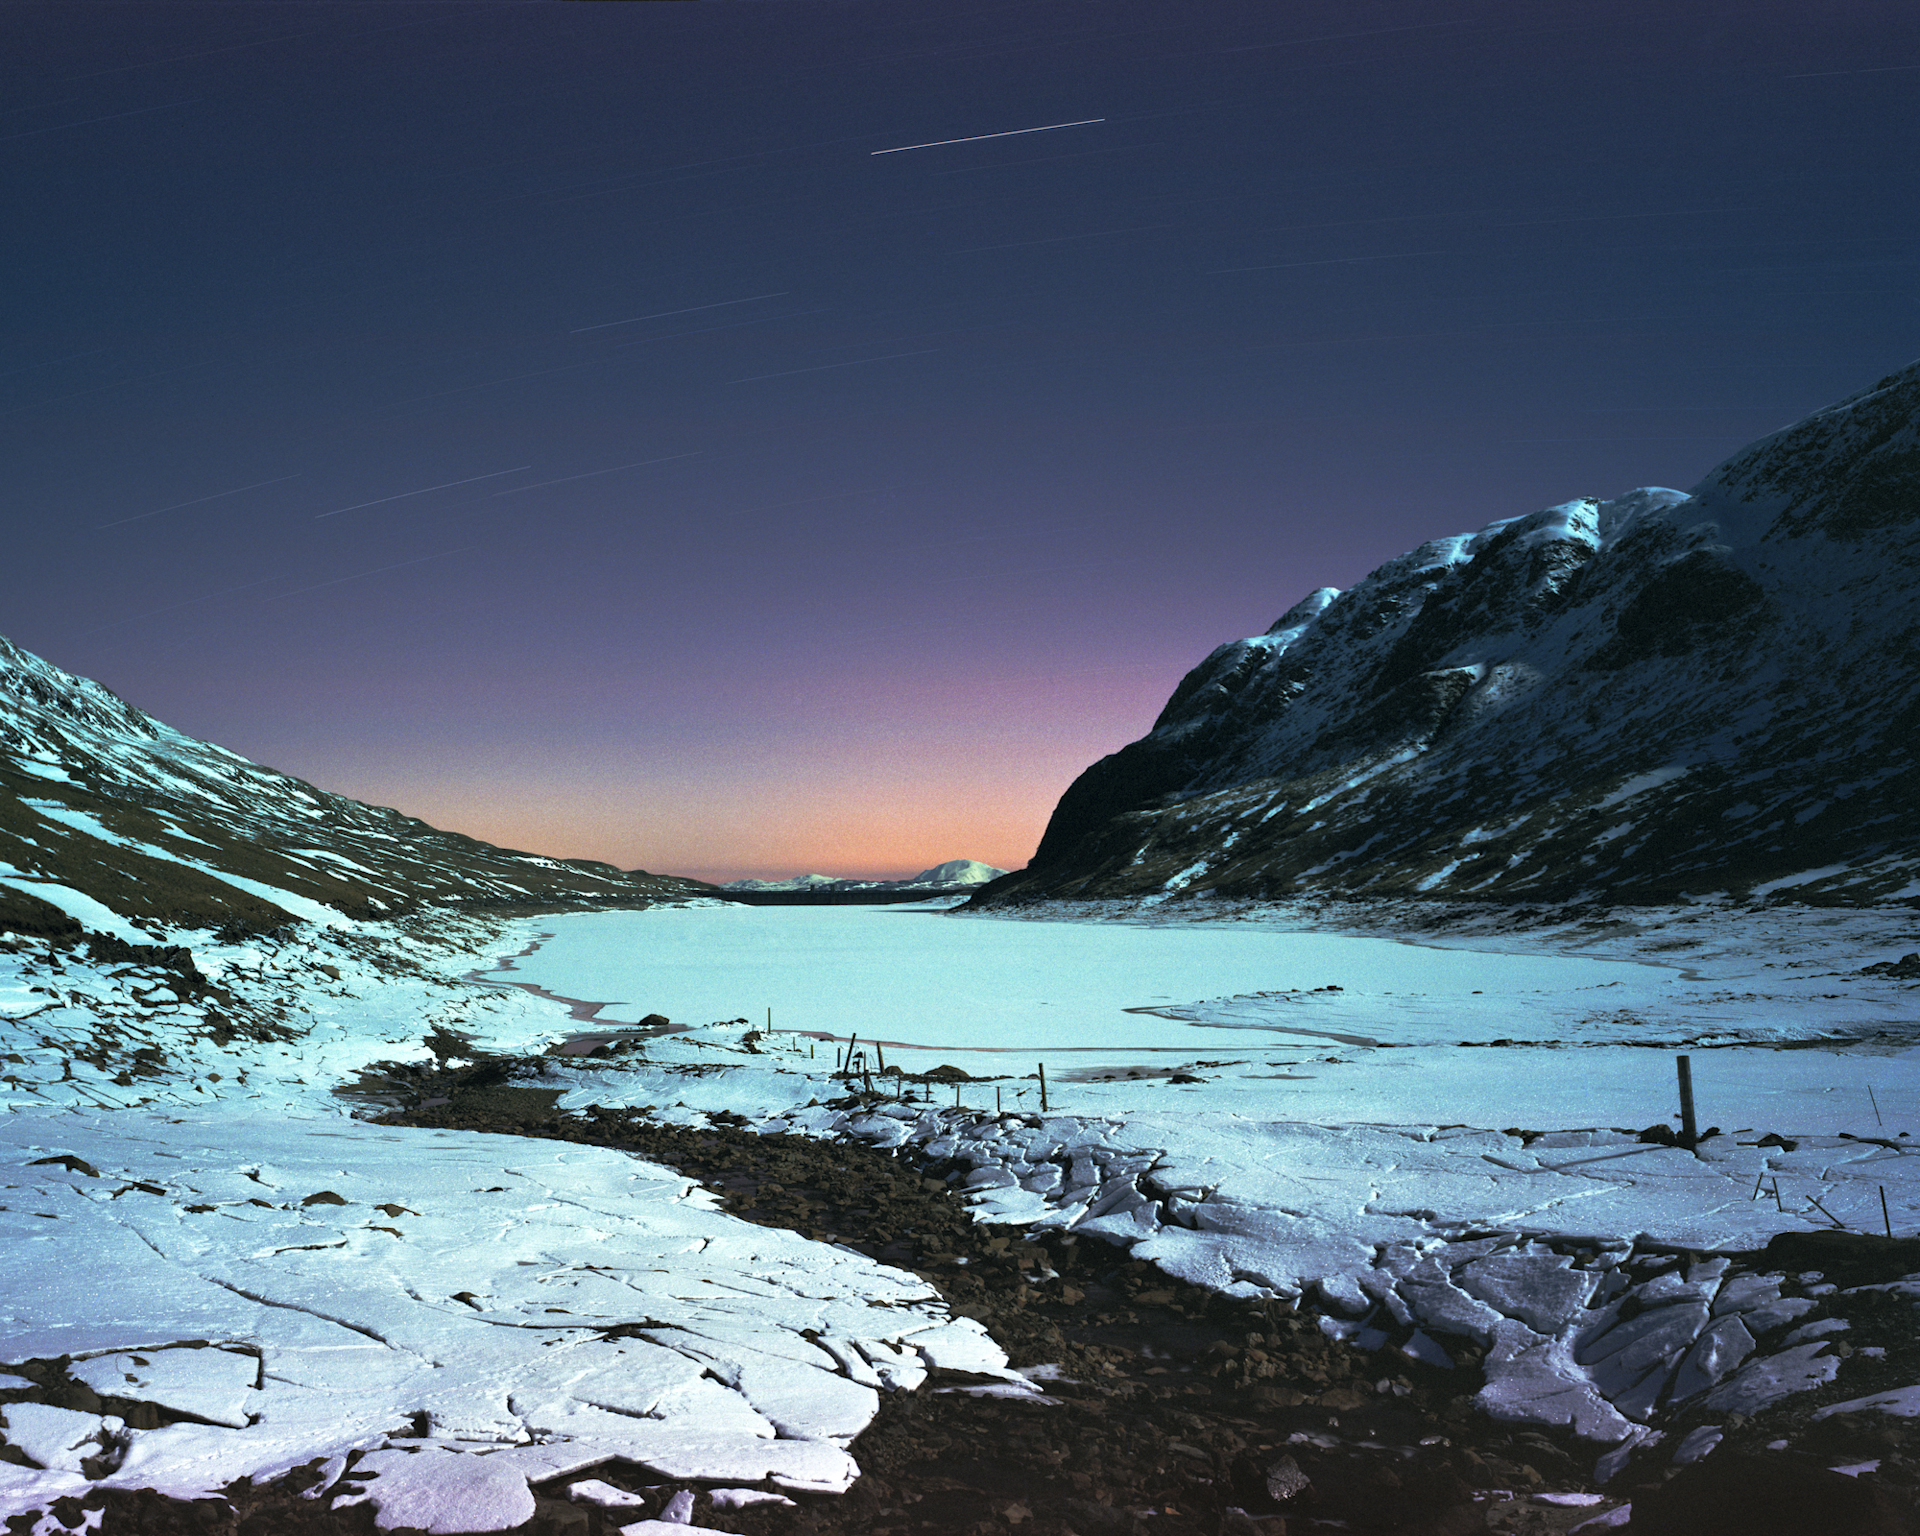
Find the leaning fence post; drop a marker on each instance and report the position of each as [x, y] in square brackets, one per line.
[1689, 1127]
[1043, 1087]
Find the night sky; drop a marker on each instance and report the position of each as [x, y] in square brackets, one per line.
[591, 426]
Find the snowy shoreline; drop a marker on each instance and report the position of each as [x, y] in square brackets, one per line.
[430, 1320]
[224, 1189]
[1548, 1283]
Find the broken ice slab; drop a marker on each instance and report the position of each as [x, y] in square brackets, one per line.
[745, 1498]
[1538, 1288]
[1720, 1349]
[439, 1491]
[604, 1495]
[1425, 1350]
[360, 1334]
[212, 1384]
[1765, 1381]
[1901, 1402]
[1697, 1444]
[1532, 1380]
[56, 1439]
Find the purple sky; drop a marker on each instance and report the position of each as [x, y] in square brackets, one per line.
[560, 422]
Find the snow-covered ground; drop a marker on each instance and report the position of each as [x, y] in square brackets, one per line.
[194, 1219]
[441, 1299]
[206, 1228]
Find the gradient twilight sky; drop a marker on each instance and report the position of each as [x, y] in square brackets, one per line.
[567, 424]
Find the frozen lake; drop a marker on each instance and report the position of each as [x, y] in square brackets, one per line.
[1557, 1039]
[914, 976]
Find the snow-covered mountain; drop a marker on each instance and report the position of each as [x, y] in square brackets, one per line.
[1663, 695]
[957, 872]
[113, 821]
[941, 877]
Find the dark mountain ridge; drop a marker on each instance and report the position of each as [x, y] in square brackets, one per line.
[1660, 696]
[113, 822]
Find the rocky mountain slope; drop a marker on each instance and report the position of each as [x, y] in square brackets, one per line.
[1649, 698]
[112, 821]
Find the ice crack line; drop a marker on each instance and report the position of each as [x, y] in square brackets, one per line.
[338, 1322]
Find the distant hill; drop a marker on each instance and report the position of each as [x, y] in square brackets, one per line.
[793, 883]
[1663, 695]
[942, 877]
[957, 872]
[112, 821]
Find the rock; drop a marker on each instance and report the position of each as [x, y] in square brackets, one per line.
[1846, 1258]
[1729, 1494]
[1285, 1480]
[69, 1162]
[1237, 1522]
[1906, 968]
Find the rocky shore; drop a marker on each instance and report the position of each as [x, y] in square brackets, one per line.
[1171, 1408]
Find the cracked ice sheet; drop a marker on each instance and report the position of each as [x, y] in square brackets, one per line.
[1282, 1204]
[1283, 1130]
[992, 985]
[993, 996]
[1276, 1199]
[995, 983]
[475, 1309]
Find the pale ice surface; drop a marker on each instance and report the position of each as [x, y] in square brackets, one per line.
[1559, 1040]
[444, 1317]
[911, 973]
[444, 1308]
